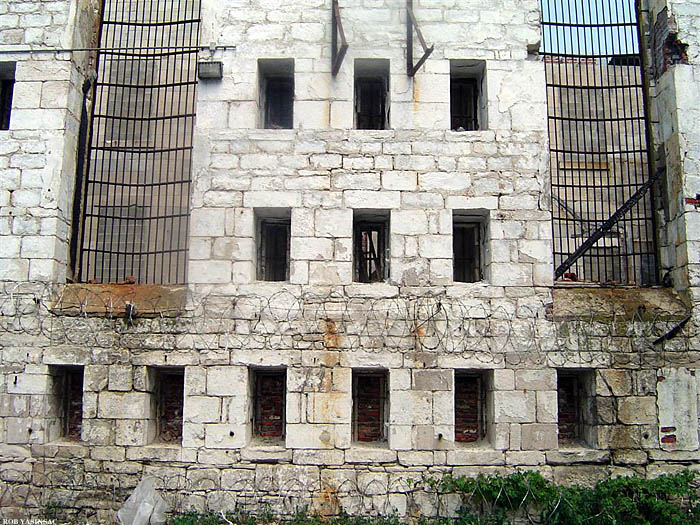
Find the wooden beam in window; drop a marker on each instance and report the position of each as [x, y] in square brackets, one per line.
[337, 53]
[411, 25]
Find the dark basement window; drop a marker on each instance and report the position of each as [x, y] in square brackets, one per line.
[269, 403]
[370, 409]
[69, 380]
[170, 392]
[470, 404]
[370, 245]
[576, 408]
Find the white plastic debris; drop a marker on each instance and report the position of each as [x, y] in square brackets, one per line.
[144, 506]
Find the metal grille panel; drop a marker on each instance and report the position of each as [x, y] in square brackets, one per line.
[598, 141]
[135, 208]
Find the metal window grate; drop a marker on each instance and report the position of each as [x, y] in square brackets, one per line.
[135, 211]
[464, 96]
[269, 403]
[598, 142]
[470, 413]
[371, 231]
[369, 402]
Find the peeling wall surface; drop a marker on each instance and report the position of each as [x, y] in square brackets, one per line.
[170, 373]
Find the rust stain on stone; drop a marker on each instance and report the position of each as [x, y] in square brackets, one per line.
[331, 337]
[120, 300]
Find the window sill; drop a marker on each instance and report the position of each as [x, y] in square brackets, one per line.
[120, 300]
[370, 452]
[261, 451]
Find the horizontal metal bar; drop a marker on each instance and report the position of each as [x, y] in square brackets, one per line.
[146, 86]
[573, 24]
[141, 150]
[593, 88]
[129, 23]
[181, 182]
[7, 50]
[146, 119]
[580, 119]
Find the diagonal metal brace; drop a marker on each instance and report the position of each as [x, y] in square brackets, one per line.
[411, 25]
[337, 54]
[608, 224]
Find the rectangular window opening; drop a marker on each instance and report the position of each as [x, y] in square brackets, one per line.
[7, 85]
[273, 227]
[470, 407]
[371, 94]
[170, 392]
[467, 103]
[269, 402]
[276, 78]
[576, 408]
[467, 246]
[67, 403]
[371, 245]
[370, 410]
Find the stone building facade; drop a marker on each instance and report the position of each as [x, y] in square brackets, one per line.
[324, 349]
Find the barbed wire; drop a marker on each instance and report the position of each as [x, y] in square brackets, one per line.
[490, 330]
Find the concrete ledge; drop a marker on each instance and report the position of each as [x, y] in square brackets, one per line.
[604, 304]
[120, 300]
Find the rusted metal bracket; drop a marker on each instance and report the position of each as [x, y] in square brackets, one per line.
[411, 25]
[337, 54]
[608, 224]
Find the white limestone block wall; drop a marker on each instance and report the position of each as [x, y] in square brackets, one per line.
[38, 152]
[418, 170]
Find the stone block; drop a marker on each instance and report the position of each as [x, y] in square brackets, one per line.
[539, 437]
[238, 479]
[542, 379]
[409, 222]
[195, 380]
[120, 377]
[583, 455]
[363, 199]
[400, 437]
[318, 457]
[266, 453]
[318, 436]
[125, 405]
[97, 432]
[29, 383]
[312, 248]
[475, 456]
[227, 380]
[207, 222]
[108, 453]
[225, 436]
[547, 408]
[370, 455]
[613, 382]
[432, 380]
[522, 458]
[636, 410]
[416, 458]
[514, 407]
[503, 379]
[134, 432]
[333, 223]
[333, 407]
[201, 409]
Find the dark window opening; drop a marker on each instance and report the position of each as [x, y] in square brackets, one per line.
[7, 85]
[269, 403]
[171, 391]
[70, 383]
[371, 94]
[276, 93]
[371, 233]
[369, 406]
[273, 234]
[576, 408]
[470, 414]
[467, 95]
[467, 249]
[463, 104]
